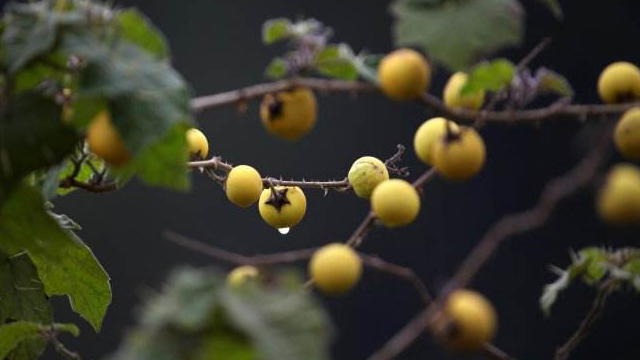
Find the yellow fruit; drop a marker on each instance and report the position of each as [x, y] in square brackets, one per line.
[104, 141]
[455, 100]
[619, 82]
[627, 134]
[461, 157]
[285, 209]
[289, 114]
[430, 132]
[395, 202]
[239, 276]
[365, 174]
[618, 202]
[404, 74]
[198, 144]
[243, 185]
[473, 322]
[335, 268]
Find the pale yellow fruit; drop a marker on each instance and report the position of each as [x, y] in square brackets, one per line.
[105, 141]
[619, 82]
[473, 322]
[198, 143]
[239, 276]
[243, 185]
[430, 132]
[395, 202]
[404, 74]
[285, 211]
[335, 268]
[365, 174]
[627, 134]
[618, 202]
[455, 100]
[289, 114]
[461, 156]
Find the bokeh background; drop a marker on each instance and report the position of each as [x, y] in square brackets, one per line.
[217, 46]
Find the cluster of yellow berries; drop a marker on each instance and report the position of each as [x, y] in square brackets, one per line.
[618, 200]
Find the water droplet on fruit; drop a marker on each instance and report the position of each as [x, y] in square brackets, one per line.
[284, 231]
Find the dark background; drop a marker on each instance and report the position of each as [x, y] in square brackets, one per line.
[217, 46]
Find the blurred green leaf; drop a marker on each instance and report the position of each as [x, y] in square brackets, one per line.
[65, 264]
[137, 29]
[596, 264]
[275, 30]
[35, 138]
[554, 7]
[552, 82]
[14, 334]
[337, 61]
[277, 68]
[458, 33]
[493, 75]
[20, 285]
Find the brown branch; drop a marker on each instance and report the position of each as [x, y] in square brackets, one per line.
[355, 240]
[588, 322]
[59, 347]
[88, 186]
[557, 109]
[398, 271]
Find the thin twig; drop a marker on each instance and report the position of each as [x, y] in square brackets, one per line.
[95, 188]
[525, 61]
[398, 271]
[355, 240]
[590, 319]
[59, 347]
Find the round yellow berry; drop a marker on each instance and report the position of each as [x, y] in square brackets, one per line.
[198, 144]
[404, 74]
[619, 82]
[289, 114]
[461, 156]
[365, 174]
[243, 185]
[283, 209]
[335, 268]
[430, 132]
[455, 100]
[239, 276]
[618, 201]
[105, 141]
[627, 134]
[469, 322]
[395, 202]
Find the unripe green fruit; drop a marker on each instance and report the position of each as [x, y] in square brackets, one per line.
[395, 202]
[455, 100]
[365, 174]
[619, 82]
[627, 134]
[243, 185]
[239, 276]
[284, 211]
[618, 202]
[289, 114]
[461, 157]
[469, 322]
[198, 143]
[404, 74]
[105, 141]
[335, 268]
[430, 132]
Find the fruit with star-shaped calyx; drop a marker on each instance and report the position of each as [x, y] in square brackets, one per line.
[283, 207]
[619, 82]
[289, 114]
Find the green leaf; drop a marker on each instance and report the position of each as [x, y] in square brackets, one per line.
[14, 334]
[552, 82]
[551, 291]
[33, 138]
[337, 61]
[137, 29]
[596, 264]
[284, 324]
[23, 299]
[277, 68]
[493, 75]
[554, 7]
[65, 264]
[458, 33]
[275, 30]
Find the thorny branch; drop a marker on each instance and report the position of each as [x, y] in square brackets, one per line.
[95, 185]
[587, 323]
[59, 347]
